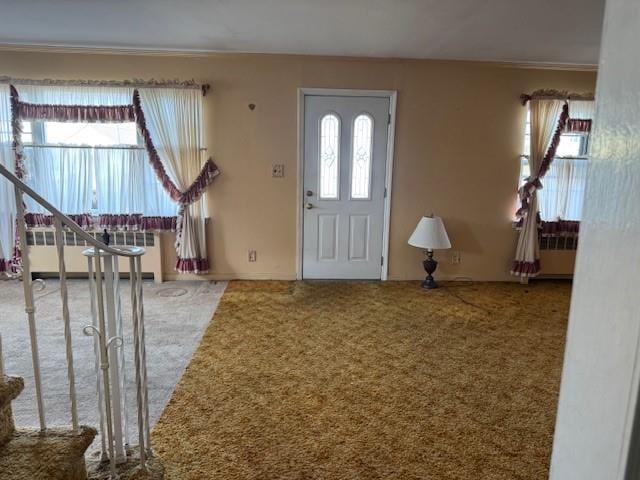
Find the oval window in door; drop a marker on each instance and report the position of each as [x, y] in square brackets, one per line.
[329, 156]
[361, 156]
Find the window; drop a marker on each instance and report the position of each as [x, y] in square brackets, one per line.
[562, 195]
[361, 157]
[96, 168]
[329, 156]
[93, 134]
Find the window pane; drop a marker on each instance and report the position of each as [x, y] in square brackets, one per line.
[361, 161]
[329, 156]
[526, 148]
[570, 145]
[27, 132]
[525, 172]
[564, 187]
[90, 133]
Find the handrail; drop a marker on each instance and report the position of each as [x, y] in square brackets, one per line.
[106, 327]
[70, 224]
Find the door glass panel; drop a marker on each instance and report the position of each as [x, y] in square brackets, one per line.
[329, 156]
[361, 161]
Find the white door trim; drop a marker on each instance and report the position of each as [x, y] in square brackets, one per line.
[392, 95]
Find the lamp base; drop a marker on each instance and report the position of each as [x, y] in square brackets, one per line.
[429, 283]
[430, 266]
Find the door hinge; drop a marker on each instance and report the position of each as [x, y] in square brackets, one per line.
[389, 120]
[381, 260]
[385, 192]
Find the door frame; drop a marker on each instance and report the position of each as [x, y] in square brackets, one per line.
[392, 95]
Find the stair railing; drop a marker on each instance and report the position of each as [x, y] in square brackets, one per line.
[108, 342]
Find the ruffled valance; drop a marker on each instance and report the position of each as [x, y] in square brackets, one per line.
[76, 113]
[128, 222]
[579, 125]
[559, 228]
[42, 220]
[136, 222]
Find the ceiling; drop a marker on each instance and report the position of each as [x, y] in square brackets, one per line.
[537, 31]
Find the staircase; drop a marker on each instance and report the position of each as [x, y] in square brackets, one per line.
[56, 454]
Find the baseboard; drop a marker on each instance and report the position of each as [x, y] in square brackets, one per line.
[229, 276]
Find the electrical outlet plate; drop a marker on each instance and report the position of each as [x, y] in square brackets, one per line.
[252, 255]
[455, 257]
[277, 170]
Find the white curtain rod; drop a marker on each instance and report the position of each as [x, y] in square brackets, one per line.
[135, 83]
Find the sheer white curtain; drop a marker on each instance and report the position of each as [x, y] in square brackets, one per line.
[119, 180]
[7, 199]
[126, 184]
[562, 195]
[174, 121]
[63, 176]
[582, 109]
[544, 121]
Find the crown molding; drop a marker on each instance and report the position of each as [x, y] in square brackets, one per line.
[167, 52]
[43, 48]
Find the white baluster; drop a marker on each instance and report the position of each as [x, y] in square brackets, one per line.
[29, 306]
[123, 370]
[96, 352]
[143, 354]
[104, 363]
[114, 360]
[136, 347]
[67, 327]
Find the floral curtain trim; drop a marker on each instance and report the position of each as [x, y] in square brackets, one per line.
[579, 125]
[76, 113]
[192, 265]
[42, 220]
[555, 228]
[133, 222]
[525, 269]
[136, 222]
[559, 228]
[533, 183]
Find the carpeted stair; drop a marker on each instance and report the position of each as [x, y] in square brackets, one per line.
[57, 454]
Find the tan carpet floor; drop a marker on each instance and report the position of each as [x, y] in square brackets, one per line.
[320, 380]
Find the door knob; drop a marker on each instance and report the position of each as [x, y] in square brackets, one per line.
[309, 193]
[308, 206]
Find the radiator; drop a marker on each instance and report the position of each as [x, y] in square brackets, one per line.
[44, 259]
[558, 255]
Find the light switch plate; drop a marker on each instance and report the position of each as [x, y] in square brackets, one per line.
[277, 170]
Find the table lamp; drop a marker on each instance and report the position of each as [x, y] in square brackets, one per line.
[430, 235]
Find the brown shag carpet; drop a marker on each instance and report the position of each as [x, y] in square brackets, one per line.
[297, 380]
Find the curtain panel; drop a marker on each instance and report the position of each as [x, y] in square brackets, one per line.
[9, 260]
[170, 122]
[548, 121]
[173, 121]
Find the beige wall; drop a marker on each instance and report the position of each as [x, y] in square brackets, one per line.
[459, 133]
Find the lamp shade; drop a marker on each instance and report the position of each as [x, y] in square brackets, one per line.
[430, 234]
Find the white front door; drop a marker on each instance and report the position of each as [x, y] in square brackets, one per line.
[345, 156]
